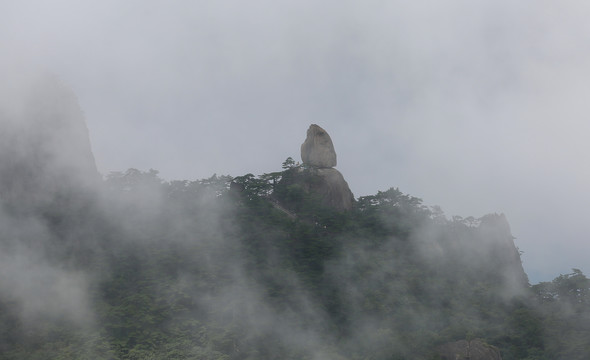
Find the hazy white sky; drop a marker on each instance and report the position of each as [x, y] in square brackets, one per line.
[476, 106]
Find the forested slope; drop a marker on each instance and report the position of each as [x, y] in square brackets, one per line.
[147, 269]
[248, 267]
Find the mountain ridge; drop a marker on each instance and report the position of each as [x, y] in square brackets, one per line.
[135, 267]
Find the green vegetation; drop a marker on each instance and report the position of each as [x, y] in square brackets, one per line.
[253, 267]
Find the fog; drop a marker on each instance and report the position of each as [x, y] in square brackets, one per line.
[110, 267]
[474, 106]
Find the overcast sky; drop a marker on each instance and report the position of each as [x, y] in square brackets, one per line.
[476, 106]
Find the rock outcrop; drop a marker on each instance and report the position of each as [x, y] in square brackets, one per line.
[495, 236]
[44, 144]
[319, 158]
[318, 150]
[331, 187]
[472, 350]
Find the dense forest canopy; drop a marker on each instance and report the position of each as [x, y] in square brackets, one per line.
[252, 267]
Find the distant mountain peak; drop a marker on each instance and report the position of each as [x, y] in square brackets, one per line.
[44, 142]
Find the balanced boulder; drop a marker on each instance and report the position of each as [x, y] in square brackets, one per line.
[318, 150]
[318, 176]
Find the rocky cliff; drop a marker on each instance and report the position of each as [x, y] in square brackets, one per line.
[495, 234]
[319, 158]
[44, 144]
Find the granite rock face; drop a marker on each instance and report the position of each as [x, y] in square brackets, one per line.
[496, 237]
[44, 143]
[332, 188]
[472, 350]
[319, 177]
[318, 150]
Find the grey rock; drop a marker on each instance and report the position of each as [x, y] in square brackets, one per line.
[333, 189]
[327, 186]
[318, 150]
[468, 350]
[318, 177]
[44, 143]
[497, 240]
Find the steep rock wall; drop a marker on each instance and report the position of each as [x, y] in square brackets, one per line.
[44, 144]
